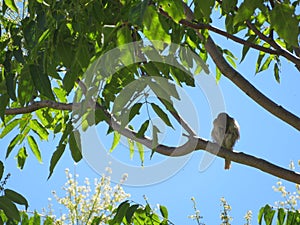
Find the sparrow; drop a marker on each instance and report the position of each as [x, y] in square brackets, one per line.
[225, 132]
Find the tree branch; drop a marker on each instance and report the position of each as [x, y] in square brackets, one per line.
[230, 36]
[240, 81]
[192, 144]
[279, 49]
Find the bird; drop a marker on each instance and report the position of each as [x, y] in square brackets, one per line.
[225, 132]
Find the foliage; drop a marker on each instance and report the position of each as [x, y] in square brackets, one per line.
[9, 199]
[132, 213]
[284, 217]
[46, 47]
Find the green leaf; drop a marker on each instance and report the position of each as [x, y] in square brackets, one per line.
[231, 61]
[153, 28]
[131, 148]
[203, 9]
[41, 81]
[218, 74]
[1, 169]
[174, 8]
[280, 216]
[34, 148]
[130, 212]
[11, 86]
[21, 157]
[258, 62]
[268, 215]
[135, 110]
[44, 36]
[228, 5]
[290, 220]
[276, 72]
[11, 4]
[161, 114]
[140, 148]
[9, 208]
[282, 17]
[116, 140]
[137, 13]
[266, 64]
[12, 144]
[164, 211]
[75, 145]
[4, 100]
[39, 129]
[121, 212]
[35, 219]
[26, 88]
[260, 215]
[9, 127]
[155, 132]
[55, 157]
[16, 197]
[246, 10]
[142, 130]
[246, 48]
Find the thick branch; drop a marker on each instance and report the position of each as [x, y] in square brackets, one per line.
[242, 83]
[193, 143]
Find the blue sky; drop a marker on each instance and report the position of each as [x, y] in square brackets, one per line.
[245, 188]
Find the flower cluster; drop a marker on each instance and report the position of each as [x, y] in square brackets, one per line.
[248, 217]
[84, 204]
[225, 217]
[291, 199]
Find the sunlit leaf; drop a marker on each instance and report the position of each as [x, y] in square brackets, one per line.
[34, 148]
[9, 127]
[131, 148]
[174, 9]
[164, 211]
[12, 144]
[12, 5]
[39, 129]
[140, 148]
[116, 140]
[154, 29]
[21, 157]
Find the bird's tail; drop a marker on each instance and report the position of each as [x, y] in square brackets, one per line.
[227, 164]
